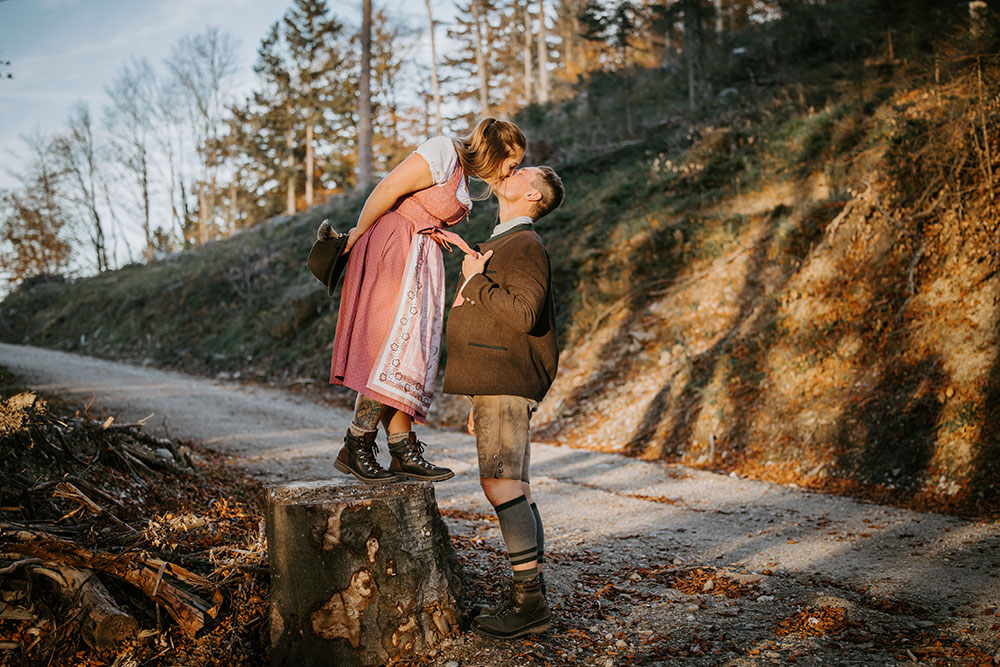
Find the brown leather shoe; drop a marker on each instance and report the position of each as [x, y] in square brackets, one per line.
[357, 457]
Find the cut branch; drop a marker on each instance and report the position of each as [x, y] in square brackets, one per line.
[189, 611]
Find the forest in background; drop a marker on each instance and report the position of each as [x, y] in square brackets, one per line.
[778, 259]
[177, 158]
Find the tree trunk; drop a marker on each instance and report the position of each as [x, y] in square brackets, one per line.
[290, 197]
[365, 106]
[694, 55]
[435, 86]
[543, 55]
[484, 79]
[309, 163]
[360, 575]
[528, 93]
[202, 212]
[102, 624]
[146, 220]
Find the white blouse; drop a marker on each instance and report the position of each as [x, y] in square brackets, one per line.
[441, 157]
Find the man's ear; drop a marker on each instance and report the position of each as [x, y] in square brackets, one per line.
[533, 195]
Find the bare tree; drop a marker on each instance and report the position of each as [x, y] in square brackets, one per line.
[129, 119]
[365, 102]
[204, 66]
[435, 86]
[77, 155]
[169, 137]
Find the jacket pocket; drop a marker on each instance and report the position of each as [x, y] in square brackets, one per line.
[500, 348]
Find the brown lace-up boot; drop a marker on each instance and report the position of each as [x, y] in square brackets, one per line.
[408, 461]
[357, 457]
[524, 611]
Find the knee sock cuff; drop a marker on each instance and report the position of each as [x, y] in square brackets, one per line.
[510, 503]
[360, 431]
[397, 438]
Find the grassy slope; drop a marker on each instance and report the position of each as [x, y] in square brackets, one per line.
[796, 288]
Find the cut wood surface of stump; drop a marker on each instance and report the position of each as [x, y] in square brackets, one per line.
[360, 574]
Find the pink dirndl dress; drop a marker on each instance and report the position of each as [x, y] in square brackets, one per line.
[388, 339]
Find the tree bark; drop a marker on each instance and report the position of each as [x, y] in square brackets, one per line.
[435, 86]
[360, 575]
[365, 103]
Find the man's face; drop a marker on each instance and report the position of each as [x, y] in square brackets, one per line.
[519, 183]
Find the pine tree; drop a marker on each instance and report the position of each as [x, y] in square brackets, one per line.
[317, 62]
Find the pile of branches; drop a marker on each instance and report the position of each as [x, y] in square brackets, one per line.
[119, 547]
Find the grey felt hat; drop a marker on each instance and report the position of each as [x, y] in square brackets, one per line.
[327, 261]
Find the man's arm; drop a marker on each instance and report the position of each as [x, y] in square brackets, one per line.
[518, 303]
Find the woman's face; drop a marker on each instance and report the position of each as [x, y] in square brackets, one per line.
[507, 167]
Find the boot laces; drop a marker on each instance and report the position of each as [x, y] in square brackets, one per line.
[368, 454]
[507, 598]
[417, 450]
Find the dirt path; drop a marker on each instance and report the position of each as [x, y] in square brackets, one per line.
[856, 583]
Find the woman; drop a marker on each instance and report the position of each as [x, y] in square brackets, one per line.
[388, 338]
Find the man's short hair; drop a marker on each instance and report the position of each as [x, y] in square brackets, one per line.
[550, 186]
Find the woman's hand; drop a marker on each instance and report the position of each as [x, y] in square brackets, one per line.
[471, 425]
[352, 238]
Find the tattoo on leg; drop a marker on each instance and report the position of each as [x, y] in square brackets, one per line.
[367, 413]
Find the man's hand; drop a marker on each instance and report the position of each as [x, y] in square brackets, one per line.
[472, 265]
[471, 425]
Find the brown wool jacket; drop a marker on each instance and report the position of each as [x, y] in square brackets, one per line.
[502, 339]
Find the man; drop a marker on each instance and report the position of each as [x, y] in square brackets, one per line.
[503, 355]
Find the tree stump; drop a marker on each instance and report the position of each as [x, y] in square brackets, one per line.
[360, 574]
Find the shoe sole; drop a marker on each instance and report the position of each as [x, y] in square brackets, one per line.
[425, 478]
[538, 628]
[367, 480]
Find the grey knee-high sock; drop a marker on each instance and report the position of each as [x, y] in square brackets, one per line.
[517, 523]
[539, 535]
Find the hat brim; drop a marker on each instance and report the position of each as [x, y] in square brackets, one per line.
[327, 261]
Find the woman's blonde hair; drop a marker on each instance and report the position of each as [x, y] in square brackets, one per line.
[483, 151]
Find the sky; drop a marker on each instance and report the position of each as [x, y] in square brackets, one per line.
[62, 51]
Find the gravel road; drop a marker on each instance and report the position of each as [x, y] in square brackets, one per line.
[648, 564]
